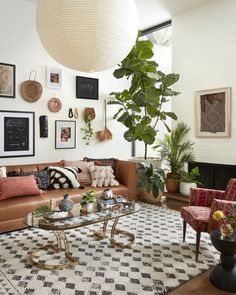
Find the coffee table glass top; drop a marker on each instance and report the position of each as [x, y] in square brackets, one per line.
[77, 220]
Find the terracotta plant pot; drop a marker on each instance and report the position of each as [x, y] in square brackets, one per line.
[172, 184]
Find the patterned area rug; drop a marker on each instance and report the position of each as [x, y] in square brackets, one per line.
[157, 263]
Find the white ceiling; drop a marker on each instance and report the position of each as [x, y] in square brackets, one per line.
[154, 12]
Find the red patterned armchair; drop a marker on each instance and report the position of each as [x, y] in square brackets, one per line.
[202, 205]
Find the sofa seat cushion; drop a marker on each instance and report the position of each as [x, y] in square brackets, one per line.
[18, 186]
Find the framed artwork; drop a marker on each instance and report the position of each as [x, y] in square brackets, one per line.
[54, 78]
[213, 112]
[17, 138]
[7, 80]
[86, 87]
[65, 135]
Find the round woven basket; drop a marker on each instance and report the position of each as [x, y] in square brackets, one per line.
[31, 90]
[148, 198]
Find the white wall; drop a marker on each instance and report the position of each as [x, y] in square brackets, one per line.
[20, 45]
[204, 46]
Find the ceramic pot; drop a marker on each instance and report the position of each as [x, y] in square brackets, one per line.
[89, 207]
[65, 204]
[172, 184]
[107, 194]
[226, 230]
[185, 188]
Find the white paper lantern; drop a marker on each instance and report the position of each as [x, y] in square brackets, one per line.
[87, 35]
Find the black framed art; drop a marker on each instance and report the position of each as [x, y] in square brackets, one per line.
[17, 138]
[7, 80]
[86, 87]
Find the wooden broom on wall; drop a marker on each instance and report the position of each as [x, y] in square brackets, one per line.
[106, 133]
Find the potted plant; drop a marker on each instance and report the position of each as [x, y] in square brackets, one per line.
[175, 149]
[188, 180]
[150, 183]
[89, 115]
[88, 200]
[140, 106]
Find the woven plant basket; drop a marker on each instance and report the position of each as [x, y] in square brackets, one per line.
[148, 198]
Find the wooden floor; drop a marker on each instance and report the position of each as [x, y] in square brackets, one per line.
[199, 285]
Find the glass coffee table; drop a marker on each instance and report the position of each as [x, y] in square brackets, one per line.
[75, 220]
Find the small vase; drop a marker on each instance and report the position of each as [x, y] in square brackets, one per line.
[65, 204]
[226, 230]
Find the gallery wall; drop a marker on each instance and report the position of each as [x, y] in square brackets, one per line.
[204, 45]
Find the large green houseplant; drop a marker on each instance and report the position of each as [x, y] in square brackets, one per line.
[140, 106]
[176, 150]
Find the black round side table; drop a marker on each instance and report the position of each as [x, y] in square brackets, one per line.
[223, 275]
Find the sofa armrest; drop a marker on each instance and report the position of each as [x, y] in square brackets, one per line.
[204, 197]
[222, 205]
[126, 174]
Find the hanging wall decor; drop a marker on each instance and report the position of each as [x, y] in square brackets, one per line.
[7, 80]
[31, 90]
[213, 112]
[54, 78]
[17, 138]
[86, 87]
[54, 105]
[65, 134]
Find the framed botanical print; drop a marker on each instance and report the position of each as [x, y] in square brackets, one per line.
[213, 112]
[17, 138]
[7, 80]
[65, 134]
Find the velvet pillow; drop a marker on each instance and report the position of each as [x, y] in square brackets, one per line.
[83, 177]
[3, 172]
[63, 177]
[102, 162]
[42, 177]
[18, 186]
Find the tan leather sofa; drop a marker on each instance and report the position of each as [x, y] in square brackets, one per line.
[13, 210]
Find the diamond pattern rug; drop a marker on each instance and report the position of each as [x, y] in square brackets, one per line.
[157, 263]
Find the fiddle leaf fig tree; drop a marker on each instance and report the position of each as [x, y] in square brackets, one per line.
[141, 104]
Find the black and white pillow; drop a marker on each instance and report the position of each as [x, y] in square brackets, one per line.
[65, 177]
[42, 177]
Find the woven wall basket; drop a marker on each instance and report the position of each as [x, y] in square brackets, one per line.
[31, 90]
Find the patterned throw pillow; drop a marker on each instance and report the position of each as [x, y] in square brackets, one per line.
[3, 172]
[102, 176]
[83, 177]
[63, 177]
[18, 186]
[102, 162]
[42, 177]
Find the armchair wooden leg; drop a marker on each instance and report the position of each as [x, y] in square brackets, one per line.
[184, 230]
[198, 236]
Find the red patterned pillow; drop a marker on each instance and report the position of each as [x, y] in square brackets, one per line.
[83, 177]
[18, 186]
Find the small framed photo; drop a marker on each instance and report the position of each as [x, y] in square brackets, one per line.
[7, 80]
[65, 135]
[54, 78]
[213, 112]
[86, 87]
[17, 138]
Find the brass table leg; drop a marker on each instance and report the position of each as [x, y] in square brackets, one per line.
[62, 245]
[101, 234]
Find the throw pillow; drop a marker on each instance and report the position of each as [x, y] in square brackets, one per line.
[102, 162]
[83, 177]
[63, 177]
[102, 176]
[42, 177]
[18, 186]
[3, 172]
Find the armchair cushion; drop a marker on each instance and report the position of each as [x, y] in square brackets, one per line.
[197, 217]
[230, 192]
[204, 197]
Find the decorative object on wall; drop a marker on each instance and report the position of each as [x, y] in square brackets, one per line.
[76, 114]
[54, 105]
[89, 115]
[70, 114]
[93, 36]
[17, 136]
[86, 87]
[43, 126]
[7, 80]
[54, 78]
[106, 133]
[213, 112]
[31, 90]
[65, 135]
